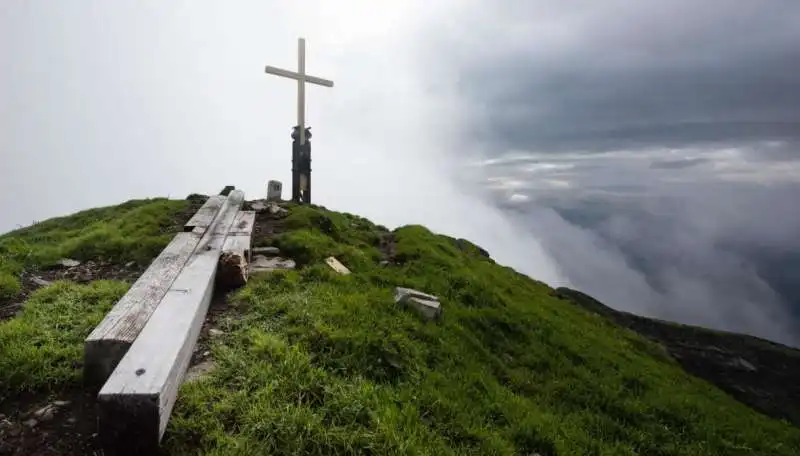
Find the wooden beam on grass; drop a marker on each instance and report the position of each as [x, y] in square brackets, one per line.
[110, 340]
[135, 404]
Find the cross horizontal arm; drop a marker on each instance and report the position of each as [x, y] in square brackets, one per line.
[298, 76]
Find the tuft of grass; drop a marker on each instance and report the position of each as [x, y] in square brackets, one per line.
[320, 363]
[43, 347]
[10, 285]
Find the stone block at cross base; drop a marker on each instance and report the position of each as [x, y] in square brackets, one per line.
[427, 305]
[274, 190]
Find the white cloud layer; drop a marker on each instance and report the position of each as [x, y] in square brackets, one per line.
[107, 101]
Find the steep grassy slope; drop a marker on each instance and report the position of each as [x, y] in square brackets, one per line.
[310, 362]
[316, 363]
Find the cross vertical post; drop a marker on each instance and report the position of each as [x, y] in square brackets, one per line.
[301, 149]
[301, 89]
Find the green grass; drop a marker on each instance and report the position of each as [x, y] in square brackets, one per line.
[43, 347]
[317, 363]
[312, 362]
[133, 231]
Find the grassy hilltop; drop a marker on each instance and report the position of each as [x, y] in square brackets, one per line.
[311, 362]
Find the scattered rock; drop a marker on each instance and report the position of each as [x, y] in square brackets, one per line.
[40, 281]
[45, 413]
[61, 403]
[258, 206]
[130, 264]
[427, 305]
[263, 264]
[68, 263]
[206, 354]
[267, 251]
[71, 420]
[337, 266]
[198, 371]
[743, 364]
[5, 424]
[274, 209]
[214, 332]
[31, 423]
[384, 263]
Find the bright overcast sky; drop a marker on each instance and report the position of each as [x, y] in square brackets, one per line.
[644, 152]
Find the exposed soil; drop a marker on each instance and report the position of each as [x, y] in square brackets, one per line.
[762, 374]
[83, 273]
[387, 247]
[68, 429]
[266, 227]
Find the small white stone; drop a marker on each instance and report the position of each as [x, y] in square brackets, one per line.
[268, 251]
[274, 209]
[61, 403]
[68, 263]
[427, 305]
[214, 332]
[40, 281]
[337, 266]
[45, 413]
[744, 364]
[31, 423]
[198, 371]
[261, 263]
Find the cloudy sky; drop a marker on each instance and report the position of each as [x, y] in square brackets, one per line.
[643, 152]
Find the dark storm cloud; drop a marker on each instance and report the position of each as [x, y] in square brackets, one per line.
[628, 73]
[653, 148]
[678, 164]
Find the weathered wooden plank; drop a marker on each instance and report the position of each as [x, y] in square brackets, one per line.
[109, 341]
[243, 223]
[205, 215]
[135, 404]
[337, 266]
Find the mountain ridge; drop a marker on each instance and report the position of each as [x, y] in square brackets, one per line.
[310, 362]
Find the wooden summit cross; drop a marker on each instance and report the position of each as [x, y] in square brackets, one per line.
[301, 156]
